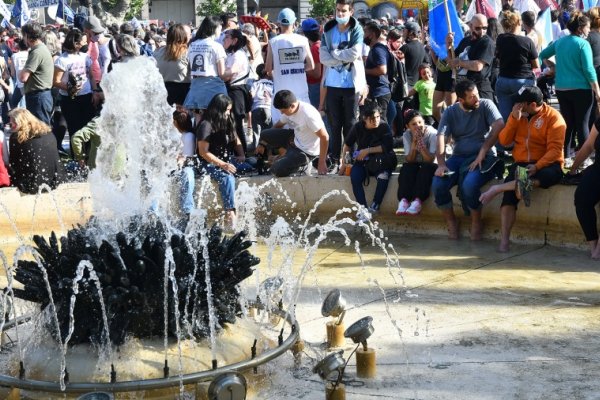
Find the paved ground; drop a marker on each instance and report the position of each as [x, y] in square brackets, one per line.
[467, 323]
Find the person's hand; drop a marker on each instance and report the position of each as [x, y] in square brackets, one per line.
[81, 163]
[517, 111]
[342, 170]
[322, 167]
[450, 40]
[441, 170]
[364, 153]
[531, 169]
[180, 160]
[227, 167]
[260, 149]
[97, 98]
[477, 162]
[241, 159]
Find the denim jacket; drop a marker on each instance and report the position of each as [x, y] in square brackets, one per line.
[353, 54]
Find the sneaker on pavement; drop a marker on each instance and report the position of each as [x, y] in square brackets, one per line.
[415, 207]
[374, 208]
[402, 207]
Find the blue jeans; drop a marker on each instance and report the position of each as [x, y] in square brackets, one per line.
[470, 187]
[187, 180]
[226, 181]
[357, 177]
[40, 104]
[506, 91]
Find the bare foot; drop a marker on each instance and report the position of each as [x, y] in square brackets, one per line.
[489, 194]
[504, 247]
[476, 229]
[453, 229]
[596, 254]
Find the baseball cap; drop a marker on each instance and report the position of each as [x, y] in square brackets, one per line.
[93, 24]
[529, 94]
[310, 25]
[286, 17]
[412, 27]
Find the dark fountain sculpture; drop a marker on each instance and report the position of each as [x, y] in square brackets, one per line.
[132, 277]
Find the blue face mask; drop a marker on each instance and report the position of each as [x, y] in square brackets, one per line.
[342, 21]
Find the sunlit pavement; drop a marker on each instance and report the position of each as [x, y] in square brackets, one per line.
[462, 321]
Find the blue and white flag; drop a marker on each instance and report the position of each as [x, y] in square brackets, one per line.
[438, 26]
[20, 13]
[6, 24]
[4, 10]
[65, 13]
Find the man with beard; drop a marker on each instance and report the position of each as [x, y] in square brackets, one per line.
[474, 56]
[473, 125]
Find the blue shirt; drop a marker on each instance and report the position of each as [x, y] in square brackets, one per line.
[340, 76]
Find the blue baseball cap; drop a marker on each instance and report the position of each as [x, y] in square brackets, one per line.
[310, 25]
[286, 17]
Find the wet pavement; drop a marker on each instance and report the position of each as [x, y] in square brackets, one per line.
[462, 321]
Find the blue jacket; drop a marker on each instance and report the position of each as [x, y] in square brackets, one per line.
[352, 54]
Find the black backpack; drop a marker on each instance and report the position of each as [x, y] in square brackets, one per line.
[397, 77]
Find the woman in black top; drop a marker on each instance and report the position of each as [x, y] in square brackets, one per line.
[33, 158]
[518, 58]
[371, 142]
[587, 194]
[217, 142]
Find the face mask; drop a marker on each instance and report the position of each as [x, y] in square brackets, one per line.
[342, 21]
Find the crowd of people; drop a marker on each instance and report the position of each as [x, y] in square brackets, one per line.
[334, 95]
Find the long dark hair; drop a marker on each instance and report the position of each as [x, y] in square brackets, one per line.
[208, 27]
[215, 114]
[241, 40]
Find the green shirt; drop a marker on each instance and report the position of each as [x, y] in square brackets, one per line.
[41, 67]
[425, 90]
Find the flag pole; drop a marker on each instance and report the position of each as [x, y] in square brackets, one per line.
[451, 49]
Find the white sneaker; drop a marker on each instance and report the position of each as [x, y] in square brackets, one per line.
[586, 163]
[568, 162]
[415, 207]
[402, 207]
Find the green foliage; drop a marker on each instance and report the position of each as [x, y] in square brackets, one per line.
[215, 7]
[322, 8]
[135, 7]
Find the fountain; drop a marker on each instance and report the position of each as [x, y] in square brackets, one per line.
[127, 302]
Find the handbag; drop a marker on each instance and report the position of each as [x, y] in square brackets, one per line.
[381, 162]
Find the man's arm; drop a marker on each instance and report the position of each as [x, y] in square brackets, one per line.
[440, 155]
[323, 146]
[487, 145]
[309, 62]
[269, 61]
[24, 75]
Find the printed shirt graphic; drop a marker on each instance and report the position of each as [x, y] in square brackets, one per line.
[340, 76]
[289, 52]
[78, 65]
[203, 56]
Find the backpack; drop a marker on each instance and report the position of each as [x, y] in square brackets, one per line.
[397, 78]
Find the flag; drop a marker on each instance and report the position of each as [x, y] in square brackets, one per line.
[438, 26]
[490, 8]
[6, 24]
[544, 27]
[20, 13]
[65, 13]
[587, 4]
[4, 11]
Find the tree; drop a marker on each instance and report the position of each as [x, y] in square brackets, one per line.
[215, 7]
[111, 11]
[322, 8]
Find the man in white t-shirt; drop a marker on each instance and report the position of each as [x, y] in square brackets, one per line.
[306, 140]
[288, 59]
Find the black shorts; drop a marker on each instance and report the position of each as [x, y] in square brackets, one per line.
[445, 82]
[548, 176]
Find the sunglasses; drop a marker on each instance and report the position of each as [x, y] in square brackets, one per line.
[481, 28]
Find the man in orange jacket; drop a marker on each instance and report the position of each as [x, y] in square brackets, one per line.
[538, 133]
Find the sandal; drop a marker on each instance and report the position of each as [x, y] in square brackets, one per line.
[523, 185]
